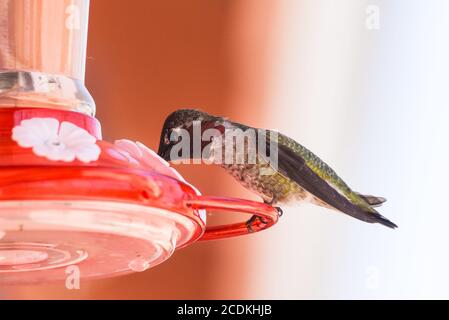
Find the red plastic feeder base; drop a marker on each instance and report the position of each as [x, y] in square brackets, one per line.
[71, 200]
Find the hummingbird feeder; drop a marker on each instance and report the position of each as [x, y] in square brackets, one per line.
[67, 197]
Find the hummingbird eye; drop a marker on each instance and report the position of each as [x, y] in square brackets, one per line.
[171, 136]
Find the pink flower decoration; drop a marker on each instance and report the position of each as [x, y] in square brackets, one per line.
[137, 152]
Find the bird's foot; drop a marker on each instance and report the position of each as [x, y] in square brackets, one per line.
[280, 211]
[252, 220]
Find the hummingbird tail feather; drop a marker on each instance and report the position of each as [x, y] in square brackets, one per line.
[372, 200]
[383, 221]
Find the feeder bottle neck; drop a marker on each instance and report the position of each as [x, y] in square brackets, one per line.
[43, 54]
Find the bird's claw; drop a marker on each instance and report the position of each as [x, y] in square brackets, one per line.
[249, 223]
[280, 211]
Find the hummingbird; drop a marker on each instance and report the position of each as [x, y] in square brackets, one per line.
[298, 176]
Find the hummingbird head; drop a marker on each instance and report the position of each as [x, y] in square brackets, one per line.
[184, 120]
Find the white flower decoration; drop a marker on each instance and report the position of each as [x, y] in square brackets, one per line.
[56, 141]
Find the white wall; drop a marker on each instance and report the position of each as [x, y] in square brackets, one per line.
[374, 104]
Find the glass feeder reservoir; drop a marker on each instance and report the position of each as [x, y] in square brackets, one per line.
[67, 197]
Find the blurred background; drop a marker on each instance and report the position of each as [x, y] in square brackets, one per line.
[364, 84]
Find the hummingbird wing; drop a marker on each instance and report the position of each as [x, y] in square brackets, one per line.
[295, 167]
[372, 200]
